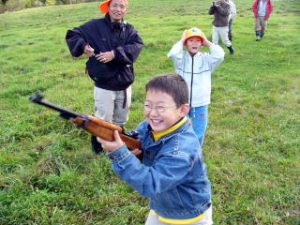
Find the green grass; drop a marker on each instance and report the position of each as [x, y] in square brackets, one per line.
[48, 174]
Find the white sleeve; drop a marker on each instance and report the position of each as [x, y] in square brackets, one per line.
[176, 51]
[216, 56]
[176, 54]
[232, 9]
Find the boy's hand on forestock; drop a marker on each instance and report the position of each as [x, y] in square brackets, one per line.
[110, 146]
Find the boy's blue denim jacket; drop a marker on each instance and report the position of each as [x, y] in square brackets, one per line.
[172, 173]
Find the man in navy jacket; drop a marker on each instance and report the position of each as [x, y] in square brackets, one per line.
[112, 46]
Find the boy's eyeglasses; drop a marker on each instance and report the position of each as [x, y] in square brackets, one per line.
[158, 108]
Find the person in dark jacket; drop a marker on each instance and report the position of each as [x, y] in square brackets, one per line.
[221, 11]
[112, 45]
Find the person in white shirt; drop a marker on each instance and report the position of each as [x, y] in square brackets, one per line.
[196, 68]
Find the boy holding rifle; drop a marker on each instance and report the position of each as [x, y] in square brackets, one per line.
[172, 172]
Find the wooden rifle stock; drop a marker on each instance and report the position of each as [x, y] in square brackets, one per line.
[91, 124]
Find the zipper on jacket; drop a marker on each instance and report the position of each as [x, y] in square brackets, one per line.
[192, 80]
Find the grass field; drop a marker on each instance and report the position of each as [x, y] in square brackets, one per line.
[48, 174]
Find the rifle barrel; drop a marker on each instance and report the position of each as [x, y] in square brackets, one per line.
[93, 125]
[65, 113]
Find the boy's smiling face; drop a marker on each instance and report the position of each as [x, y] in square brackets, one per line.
[193, 44]
[161, 111]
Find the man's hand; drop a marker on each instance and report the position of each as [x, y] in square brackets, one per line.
[88, 50]
[105, 57]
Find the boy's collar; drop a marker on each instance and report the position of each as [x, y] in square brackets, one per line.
[159, 134]
[192, 54]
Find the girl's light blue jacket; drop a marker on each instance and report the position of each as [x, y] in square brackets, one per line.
[172, 173]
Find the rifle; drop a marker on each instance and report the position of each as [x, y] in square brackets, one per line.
[91, 124]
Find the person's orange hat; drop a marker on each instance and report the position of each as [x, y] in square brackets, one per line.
[103, 7]
[194, 32]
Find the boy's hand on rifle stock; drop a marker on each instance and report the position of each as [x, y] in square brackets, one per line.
[136, 152]
[111, 146]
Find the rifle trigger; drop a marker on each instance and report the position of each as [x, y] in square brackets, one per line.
[84, 122]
